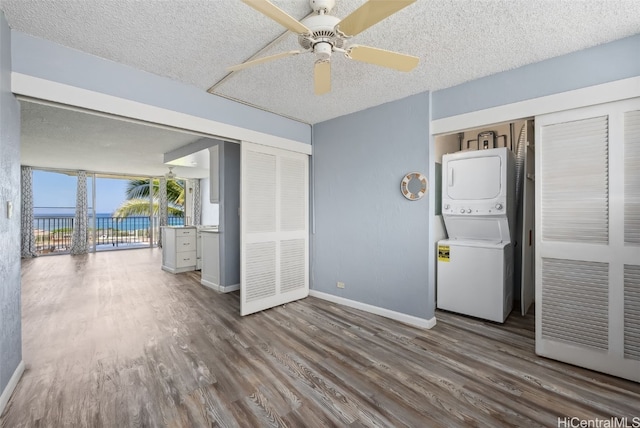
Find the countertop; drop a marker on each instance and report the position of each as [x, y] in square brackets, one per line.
[209, 230]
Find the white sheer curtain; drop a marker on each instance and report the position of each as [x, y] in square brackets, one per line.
[28, 241]
[79, 244]
[163, 208]
[197, 203]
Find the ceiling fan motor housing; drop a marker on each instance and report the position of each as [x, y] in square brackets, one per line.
[322, 33]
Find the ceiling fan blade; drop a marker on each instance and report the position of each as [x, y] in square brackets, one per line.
[383, 57]
[261, 60]
[369, 14]
[281, 17]
[322, 77]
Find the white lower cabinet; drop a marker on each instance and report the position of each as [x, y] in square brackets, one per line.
[178, 249]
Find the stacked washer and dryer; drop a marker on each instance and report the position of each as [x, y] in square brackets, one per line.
[476, 262]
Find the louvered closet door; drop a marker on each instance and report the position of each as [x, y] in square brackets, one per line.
[588, 237]
[274, 256]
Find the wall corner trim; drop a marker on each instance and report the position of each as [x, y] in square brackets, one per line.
[387, 313]
[11, 386]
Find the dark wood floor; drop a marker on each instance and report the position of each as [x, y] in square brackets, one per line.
[110, 340]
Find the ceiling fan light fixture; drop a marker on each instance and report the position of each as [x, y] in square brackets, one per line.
[170, 175]
[323, 51]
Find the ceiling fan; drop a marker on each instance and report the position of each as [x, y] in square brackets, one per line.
[324, 34]
[170, 175]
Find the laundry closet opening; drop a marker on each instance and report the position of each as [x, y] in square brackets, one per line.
[484, 223]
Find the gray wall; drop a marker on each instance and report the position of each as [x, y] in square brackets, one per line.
[41, 58]
[229, 218]
[10, 322]
[367, 234]
[601, 64]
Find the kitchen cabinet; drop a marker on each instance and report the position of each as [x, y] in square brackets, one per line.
[178, 249]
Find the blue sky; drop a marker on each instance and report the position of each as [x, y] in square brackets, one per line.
[52, 189]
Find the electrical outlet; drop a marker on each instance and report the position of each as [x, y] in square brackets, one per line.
[340, 284]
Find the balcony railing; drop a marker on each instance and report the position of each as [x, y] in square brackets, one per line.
[53, 233]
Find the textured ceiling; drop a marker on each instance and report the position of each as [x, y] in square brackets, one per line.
[193, 41]
[52, 137]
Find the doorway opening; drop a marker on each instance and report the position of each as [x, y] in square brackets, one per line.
[470, 231]
[122, 211]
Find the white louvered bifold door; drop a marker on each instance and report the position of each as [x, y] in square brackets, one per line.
[588, 237]
[274, 259]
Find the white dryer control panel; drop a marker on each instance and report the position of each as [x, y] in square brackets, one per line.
[476, 208]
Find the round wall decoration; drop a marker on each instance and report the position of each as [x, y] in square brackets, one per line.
[414, 186]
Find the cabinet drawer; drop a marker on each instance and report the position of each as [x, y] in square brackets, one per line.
[186, 259]
[185, 243]
[185, 232]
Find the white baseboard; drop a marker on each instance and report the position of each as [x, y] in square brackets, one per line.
[177, 270]
[11, 386]
[398, 316]
[229, 288]
[220, 288]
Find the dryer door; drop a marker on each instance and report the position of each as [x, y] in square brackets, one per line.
[474, 178]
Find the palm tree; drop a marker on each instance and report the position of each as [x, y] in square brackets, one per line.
[137, 202]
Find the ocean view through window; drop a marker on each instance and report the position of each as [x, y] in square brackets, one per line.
[109, 227]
